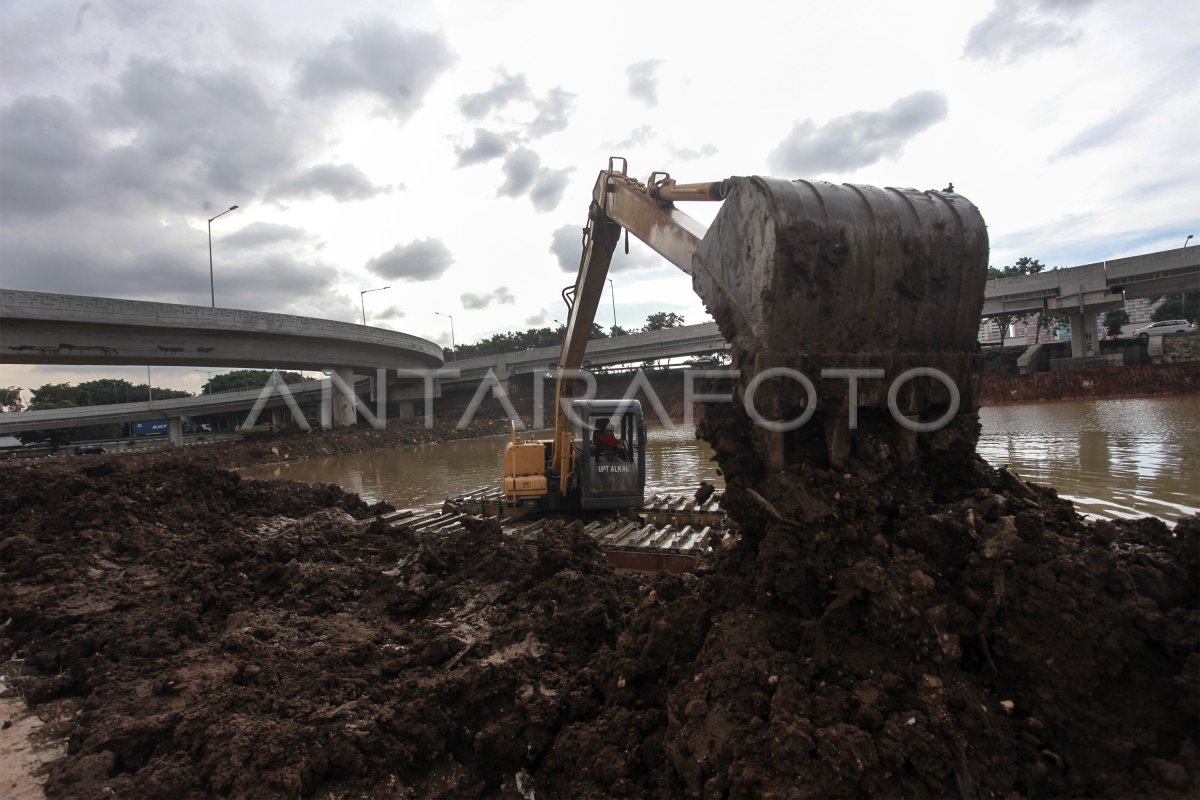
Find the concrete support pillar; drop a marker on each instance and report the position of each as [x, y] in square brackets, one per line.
[344, 414]
[175, 431]
[279, 418]
[1083, 334]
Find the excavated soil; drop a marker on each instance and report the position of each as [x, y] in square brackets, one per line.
[206, 636]
[225, 637]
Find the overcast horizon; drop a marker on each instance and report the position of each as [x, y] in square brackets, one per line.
[448, 150]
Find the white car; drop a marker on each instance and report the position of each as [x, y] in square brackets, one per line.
[1165, 327]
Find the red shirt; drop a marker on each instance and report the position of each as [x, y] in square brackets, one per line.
[607, 439]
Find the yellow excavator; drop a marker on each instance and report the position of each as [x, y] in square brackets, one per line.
[596, 458]
[844, 282]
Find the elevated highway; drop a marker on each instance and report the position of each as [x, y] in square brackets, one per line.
[312, 394]
[685, 340]
[40, 328]
[1084, 292]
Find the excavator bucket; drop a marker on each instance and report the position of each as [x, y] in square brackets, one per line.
[851, 287]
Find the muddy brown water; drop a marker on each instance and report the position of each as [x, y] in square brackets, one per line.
[1113, 458]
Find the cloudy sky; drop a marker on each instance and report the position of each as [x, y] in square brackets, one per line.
[448, 149]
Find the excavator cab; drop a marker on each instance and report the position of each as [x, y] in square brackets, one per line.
[610, 453]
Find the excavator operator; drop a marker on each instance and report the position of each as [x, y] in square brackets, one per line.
[607, 444]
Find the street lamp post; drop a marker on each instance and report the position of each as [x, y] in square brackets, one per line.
[453, 346]
[207, 372]
[211, 285]
[1188, 239]
[613, 294]
[364, 302]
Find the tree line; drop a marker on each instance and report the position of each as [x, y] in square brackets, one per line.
[532, 338]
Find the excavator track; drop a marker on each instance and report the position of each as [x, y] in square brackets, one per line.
[674, 533]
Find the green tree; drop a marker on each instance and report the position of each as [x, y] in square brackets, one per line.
[663, 320]
[532, 338]
[106, 390]
[50, 395]
[1178, 306]
[243, 379]
[98, 393]
[10, 399]
[1115, 320]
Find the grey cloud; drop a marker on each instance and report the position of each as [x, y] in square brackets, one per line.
[637, 137]
[396, 64]
[45, 147]
[552, 112]
[689, 154]
[643, 81]
[499, 296]
[537, 319]
[273, 281]
[1159, 91]
[520, 171]
[566, 245]
[548, 188]
[342, 182]
[524, 174]
[259, 234]
[391, 312]
[858, 139]
[170, 263]
[1108, 130]
[172, 266]
[1074, 239]
[1014, 29]
[503, 92]
[83, 9]
[420, 260]
[487, 146]
[176, 154]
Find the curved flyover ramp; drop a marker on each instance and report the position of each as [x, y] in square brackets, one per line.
[40, 328]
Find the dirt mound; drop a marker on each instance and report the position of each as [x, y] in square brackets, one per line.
[222, 637]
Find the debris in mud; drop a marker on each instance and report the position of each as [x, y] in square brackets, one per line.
[228, 637]
[231, 637]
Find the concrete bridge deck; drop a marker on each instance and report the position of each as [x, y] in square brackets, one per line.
[1146, 275]
[1084, 292]
[40, 328]
[685, 340]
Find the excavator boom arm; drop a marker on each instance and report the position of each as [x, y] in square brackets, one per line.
[619, 201]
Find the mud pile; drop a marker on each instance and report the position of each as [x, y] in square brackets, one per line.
[212, 636]
[203, 635]
[908, 635]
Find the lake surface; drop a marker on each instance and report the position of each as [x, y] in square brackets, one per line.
[1112, 458]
